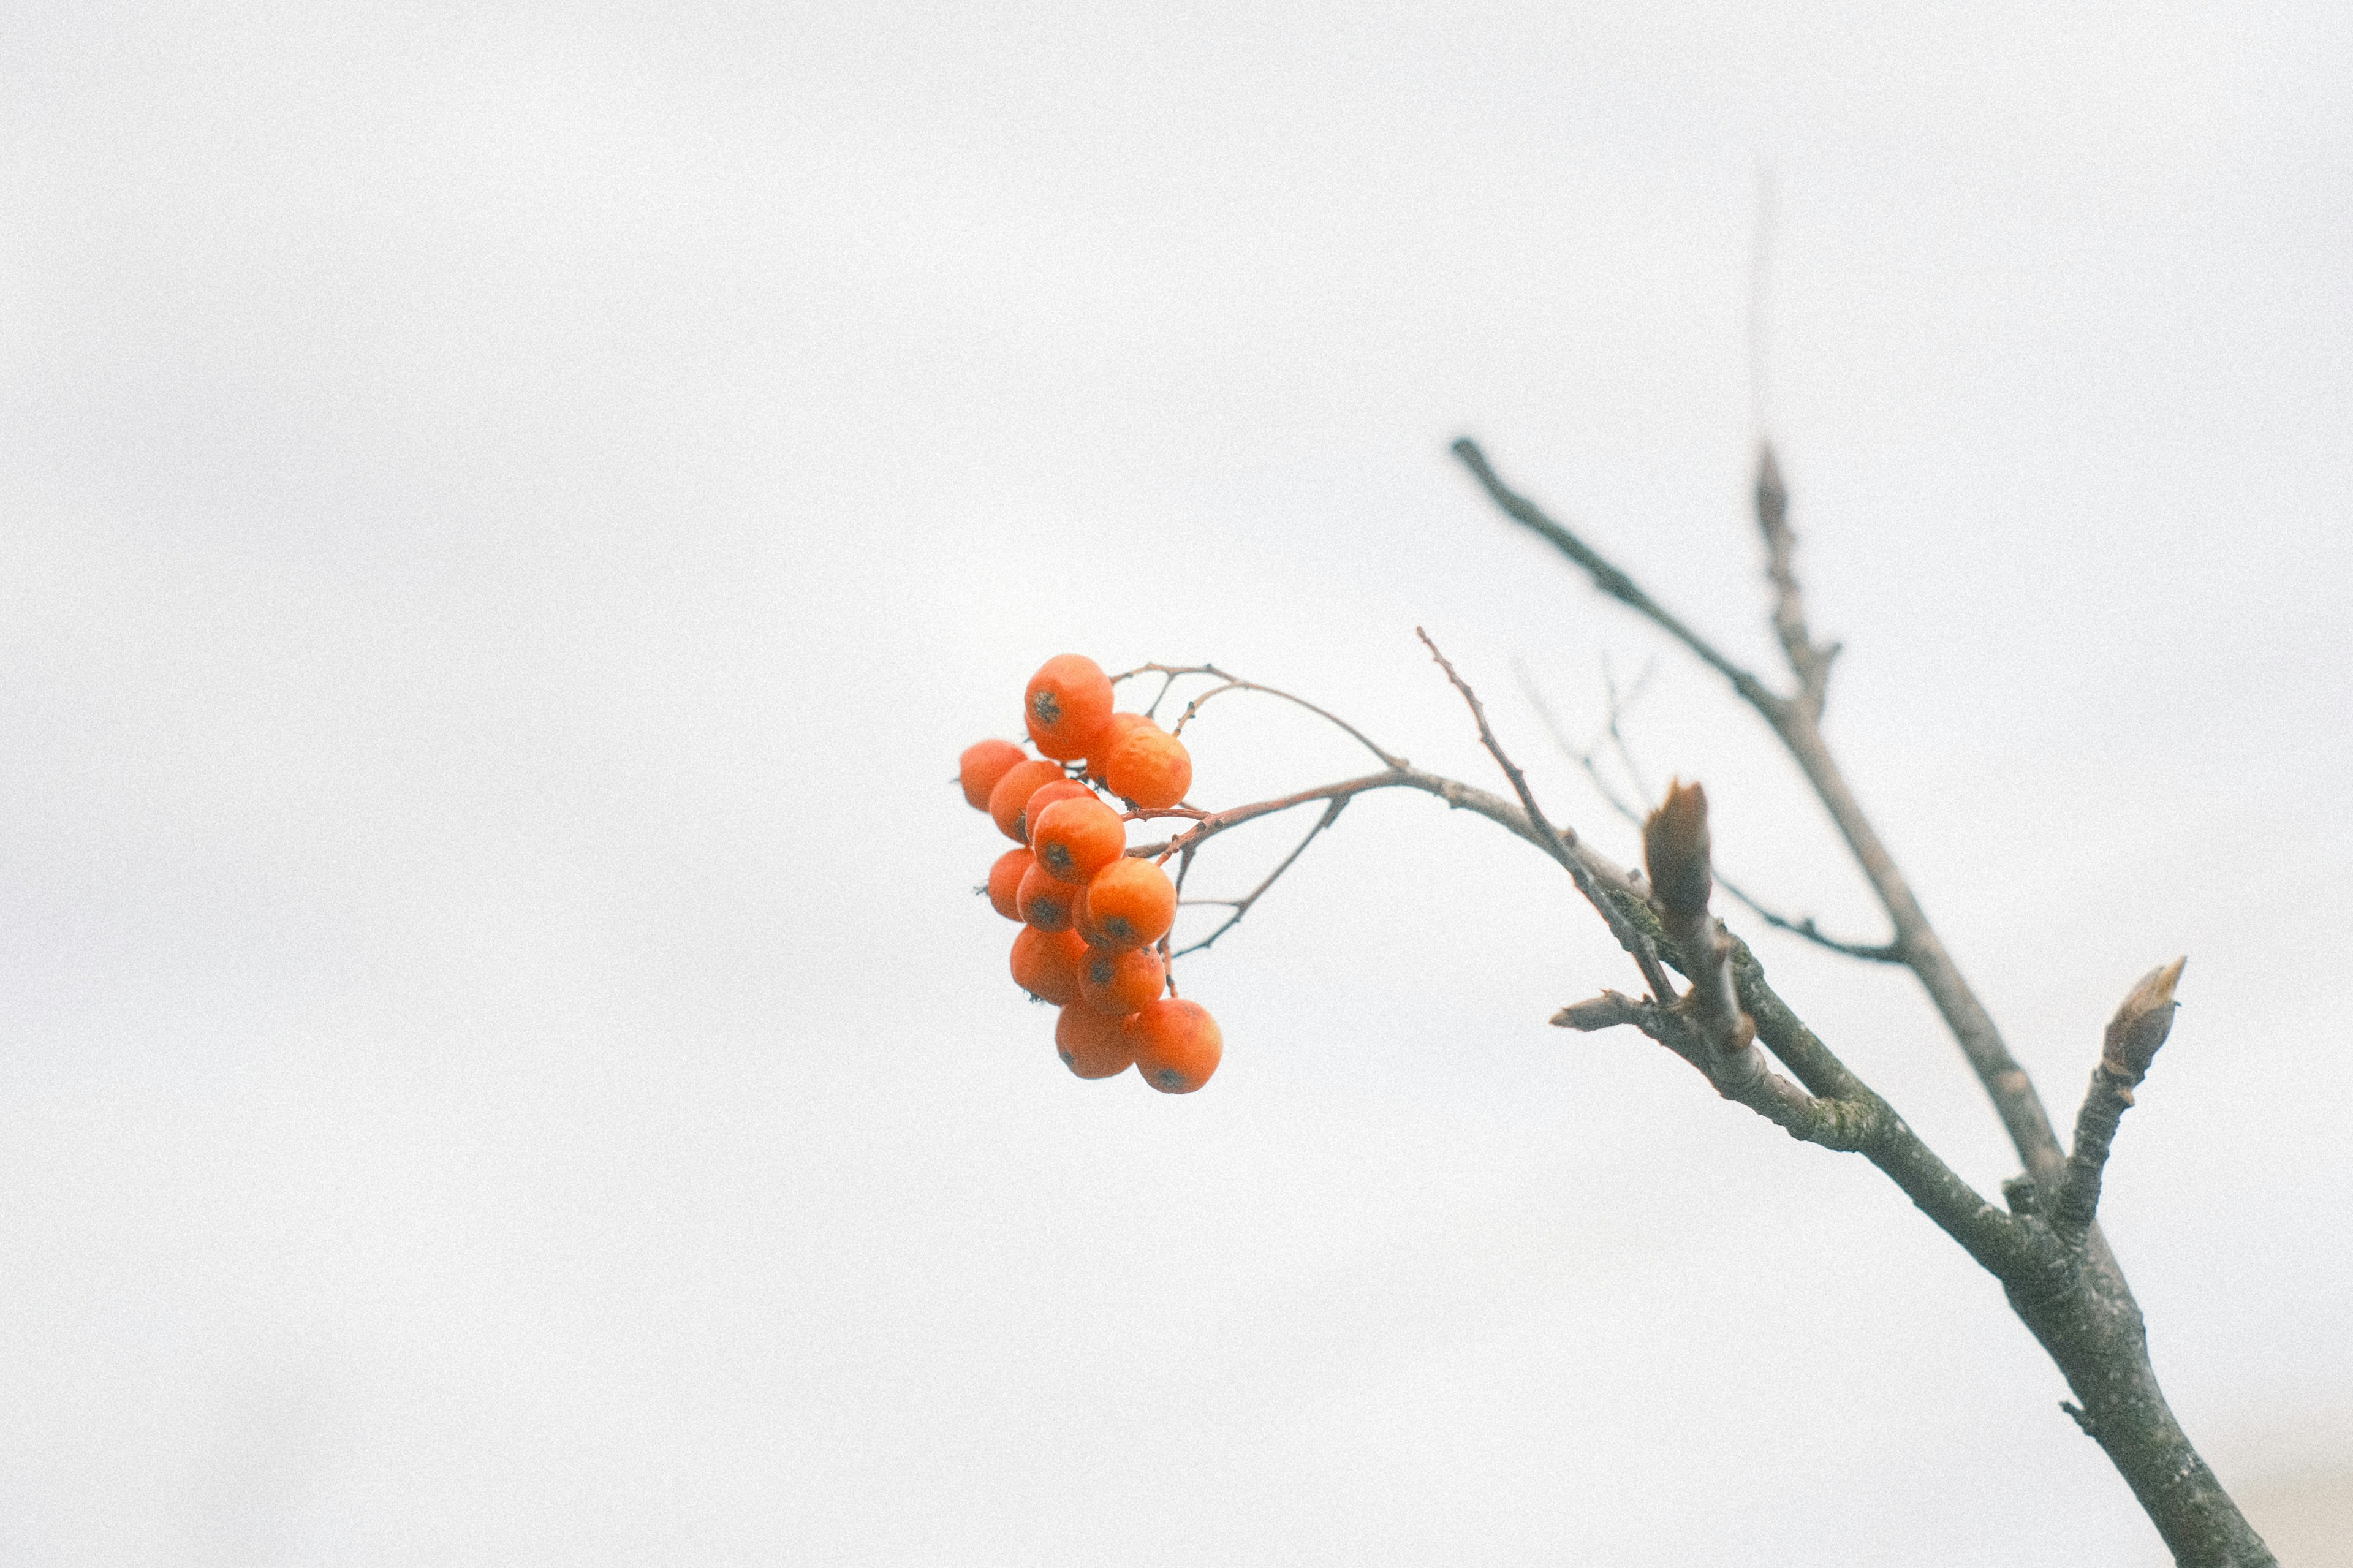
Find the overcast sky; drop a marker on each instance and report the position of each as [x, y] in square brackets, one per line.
[510, 516]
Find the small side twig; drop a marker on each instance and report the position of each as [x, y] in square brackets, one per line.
[1559, 842]
[1589, 760]
[1242, 906]
[2141, 1024]
[1808, 663]
[1230, 682]
[1609, 578]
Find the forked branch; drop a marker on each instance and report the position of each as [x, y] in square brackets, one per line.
[1796, 720]
[2056, 1270]
[1172, 673]
[1559, 841]
[1242, 906]
[1587, 758]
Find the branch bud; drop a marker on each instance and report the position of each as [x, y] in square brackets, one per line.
[1606, 1011]
[1674, 847]
[2141, 1024]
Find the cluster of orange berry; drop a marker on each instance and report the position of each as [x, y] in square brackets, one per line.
[1095, 919]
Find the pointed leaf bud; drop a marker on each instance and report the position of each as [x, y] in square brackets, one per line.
[2142, 1023]
[1674, 847]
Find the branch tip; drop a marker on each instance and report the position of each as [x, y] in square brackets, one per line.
[2143, 1021]
[1772, 495]
[1606, 1011]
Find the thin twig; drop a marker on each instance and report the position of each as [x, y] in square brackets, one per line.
[1242, 906]
[1613, 878]
[1235, 683]
[1804, 926]
[1618, 706]
[1801, 926]
[2134, 1034]
[1609, 578]
[1584, 758]
[1810, 664]
[1559, 841]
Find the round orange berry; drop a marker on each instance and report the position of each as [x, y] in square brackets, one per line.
[1005, 882]
[1084, 924]
[1131, 903]
[1114, 731]
[1045, 965]
[982, 765]
[1013, 790]
[1067, 705]
[1091, 1044]
[1177, 1045]
[1118, 981]
[1046, 795]
[1149, 767]
[1043, 901]
[1075, 838]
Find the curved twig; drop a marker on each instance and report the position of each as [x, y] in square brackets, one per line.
[1559, 840]
[1242, 906]
[1801, 926]
[1235, 683]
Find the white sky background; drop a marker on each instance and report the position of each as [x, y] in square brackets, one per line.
[509, 518]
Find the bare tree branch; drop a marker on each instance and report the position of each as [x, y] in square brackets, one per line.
[2060, 1277]
[1796, 722]
[2077, 1308]
[1609, 578]
[1834, 1109]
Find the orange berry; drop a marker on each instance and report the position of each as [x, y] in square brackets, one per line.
[1150, 768]
[982, 765]
[1045, 965]
[1005, 882]
[1013, 790]
[1043, 901]
[1118, 981]
[1177, 1045]
[1091, 1044]
[1046, 795]
[1084, 924]
[1114, 731]
[1067, 705]
[1076, 838]
[1131, 903]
